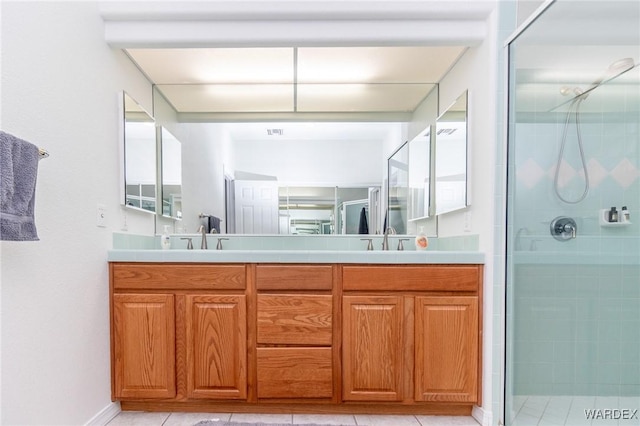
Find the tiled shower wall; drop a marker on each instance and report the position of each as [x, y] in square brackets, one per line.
[577, 331]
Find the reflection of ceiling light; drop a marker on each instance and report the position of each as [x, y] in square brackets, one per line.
[275, 132]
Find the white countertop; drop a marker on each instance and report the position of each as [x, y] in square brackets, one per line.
[297, 256]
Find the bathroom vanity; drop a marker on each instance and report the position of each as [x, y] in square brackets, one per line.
[326, 336]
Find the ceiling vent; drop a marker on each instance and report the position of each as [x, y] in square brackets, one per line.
[445, 131]
[275, 132]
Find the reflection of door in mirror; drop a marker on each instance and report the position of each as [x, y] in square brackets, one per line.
[171, 175]
[354, 222]
[256, 206]
[451, 157]
[350, 202]
[139, 180]
[398, 185]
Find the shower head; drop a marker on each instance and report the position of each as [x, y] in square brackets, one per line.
[615, 69]
[620, 66]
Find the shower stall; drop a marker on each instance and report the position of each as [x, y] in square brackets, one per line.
[573, 217]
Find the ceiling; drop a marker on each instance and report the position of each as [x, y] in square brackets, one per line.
[296, 80]
[277, 62]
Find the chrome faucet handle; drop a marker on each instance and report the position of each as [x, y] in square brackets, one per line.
[370, 245]
[400, 245]
[219, 245]
[189, 242]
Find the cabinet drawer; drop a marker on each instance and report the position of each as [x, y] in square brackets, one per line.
[178, 276]
[412, 278]
[294, 277]
[294, 373]
[294, 319]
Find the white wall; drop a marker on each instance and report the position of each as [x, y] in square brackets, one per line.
[204, 153]
[476, 72]
[308, 163]
[59, 90]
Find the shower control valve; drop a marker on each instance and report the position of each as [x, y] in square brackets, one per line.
[563, 228]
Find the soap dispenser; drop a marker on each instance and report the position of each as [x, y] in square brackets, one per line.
[165, 239]
[625, 214]
[613, 215]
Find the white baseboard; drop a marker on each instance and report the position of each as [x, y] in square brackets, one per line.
[105, 415]
[483, 417]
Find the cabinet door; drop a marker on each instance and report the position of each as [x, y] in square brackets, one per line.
[216, 346]
[373, 348]
[144, 346]
[446, 345]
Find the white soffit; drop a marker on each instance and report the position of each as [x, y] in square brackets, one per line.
[300, 23]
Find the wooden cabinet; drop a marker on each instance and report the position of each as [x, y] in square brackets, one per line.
[446, 344]
[268, 337]
[143, 346]
[294, 372]
[179, 331]
[216, 346]
[372, 348]
[419, 341]
[294, 332]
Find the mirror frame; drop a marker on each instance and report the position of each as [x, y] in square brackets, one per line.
[455, 110]
[124, 100]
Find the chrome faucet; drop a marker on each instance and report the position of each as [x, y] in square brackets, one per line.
[203, 232]
[385, 239]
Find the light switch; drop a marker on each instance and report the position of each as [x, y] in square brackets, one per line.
[466, 227]
[101, 218]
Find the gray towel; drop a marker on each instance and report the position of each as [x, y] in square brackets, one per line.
[18, 173]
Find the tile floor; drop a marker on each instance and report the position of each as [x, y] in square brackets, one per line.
[570, 410]
[133, 418]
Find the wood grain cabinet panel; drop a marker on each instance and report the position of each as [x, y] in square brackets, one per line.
[294, 319]
[412, 278]
[294, 277]
[144, 346]
[216, 346]
[290, 372]
[372, 348]
[446, 347]
[179, 276]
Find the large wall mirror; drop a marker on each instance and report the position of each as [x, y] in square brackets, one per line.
[451, 157]
[138, 181]
[171, 175]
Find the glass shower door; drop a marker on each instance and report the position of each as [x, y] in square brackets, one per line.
[573, 270]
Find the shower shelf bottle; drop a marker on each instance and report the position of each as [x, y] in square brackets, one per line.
[604, 216]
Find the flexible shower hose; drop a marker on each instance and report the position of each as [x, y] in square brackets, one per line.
[578, 100]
